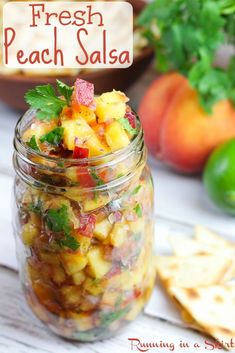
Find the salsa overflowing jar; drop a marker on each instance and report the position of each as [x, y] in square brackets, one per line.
[83, 210]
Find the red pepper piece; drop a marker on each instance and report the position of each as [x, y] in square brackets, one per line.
[87, 225]
[84, 178]
[84, 92]
[80, 152]
[131, 118]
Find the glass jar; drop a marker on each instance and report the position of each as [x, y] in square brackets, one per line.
[84, 237]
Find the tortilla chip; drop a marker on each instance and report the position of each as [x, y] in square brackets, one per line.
[193, 271]
[210, 238]
[187, 246]
[212, 308]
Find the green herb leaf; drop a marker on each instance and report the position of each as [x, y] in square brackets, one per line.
[136, 189]
[37, 207]
[69, 242]
[107, 318]
[186, 36]
[53, 137]
[138, 210]
[127, 126]
[65, 91]
[33, 144]
[45, 101]
[97, 179]
[58, 221]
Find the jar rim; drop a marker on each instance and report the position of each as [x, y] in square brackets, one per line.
[24, 149]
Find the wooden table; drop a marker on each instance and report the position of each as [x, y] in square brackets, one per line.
[176, 197]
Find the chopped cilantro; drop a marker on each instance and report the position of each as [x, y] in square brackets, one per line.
[58, 221]
[107, 318]
[186, 36]
[120, 175]
[53, 137]
[127, 126]
[33, 144]
[138, 210]
[37, 207]
[65, 91]
[118, 301]
[97, 179]
[136, 190]
[69, 242]
[44, 100]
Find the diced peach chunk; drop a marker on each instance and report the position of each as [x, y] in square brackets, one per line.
[29, 232]
[79, 131]
[116, 137]
[102, 229]
[118, 234]
[97, 265]
[73, 262]
[111, 105]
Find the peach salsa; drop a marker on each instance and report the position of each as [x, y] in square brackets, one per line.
[84, 210]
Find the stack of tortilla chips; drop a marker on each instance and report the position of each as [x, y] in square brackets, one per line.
[198, 278]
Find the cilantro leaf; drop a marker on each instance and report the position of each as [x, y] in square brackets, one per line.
[138, 210]
[37, 207]
[53, 137]
[44, 100]
[127, 126]
[65, 91]
[108, 317]
[69, 242]
[58, 222]
[136, 189]
[186, 36]
[97, 179]
[33, 144]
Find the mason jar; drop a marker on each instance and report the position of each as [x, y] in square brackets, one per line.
[84, 236]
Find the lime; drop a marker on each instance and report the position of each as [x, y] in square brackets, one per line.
[219, 177]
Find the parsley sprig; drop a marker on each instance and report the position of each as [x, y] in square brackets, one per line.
[186, 35]
[45, 101]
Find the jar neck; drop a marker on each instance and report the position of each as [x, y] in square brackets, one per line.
[46, 172]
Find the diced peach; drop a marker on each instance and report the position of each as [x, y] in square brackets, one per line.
[97, 265]
[83, 321]
[29, 232]
[110, 298]
[58, 274]
[85, 113]
[78, 277]
[73, 262]
[90, 204]
[116, 137]
[79, 130]
[111, 105]
[71, 295]
[85, 243]
[50, 258]
[118, 234]
[102, 229]
[93, 287]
